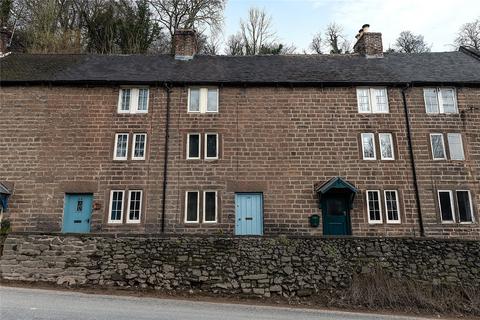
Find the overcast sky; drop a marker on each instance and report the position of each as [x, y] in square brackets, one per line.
[296, 21]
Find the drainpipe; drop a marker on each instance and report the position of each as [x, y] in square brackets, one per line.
[168, 90]
[412, 161]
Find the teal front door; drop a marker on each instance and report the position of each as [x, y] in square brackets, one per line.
[77, 212]
[249, 214]
[336, 215]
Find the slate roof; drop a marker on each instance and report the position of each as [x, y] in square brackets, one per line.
[462, 67]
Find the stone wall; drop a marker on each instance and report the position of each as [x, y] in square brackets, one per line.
[257, 266]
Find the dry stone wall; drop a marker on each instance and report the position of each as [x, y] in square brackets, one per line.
[256, 266]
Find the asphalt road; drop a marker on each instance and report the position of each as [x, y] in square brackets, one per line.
[22, 304]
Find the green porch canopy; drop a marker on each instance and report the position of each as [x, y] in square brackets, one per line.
[336, 185]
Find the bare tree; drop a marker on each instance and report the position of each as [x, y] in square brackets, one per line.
[235, 45]
[409, 42]
[335, 39]
[469, 35]
[316, 44]
[196, 14]
[209, 45]
[256, 31]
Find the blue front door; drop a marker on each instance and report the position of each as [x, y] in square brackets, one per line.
[77, 212]
[249, 214]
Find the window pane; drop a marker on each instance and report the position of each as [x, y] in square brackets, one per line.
[431, 100]
[391, 203]
[125, 105]
[381, 102]
[438, 148]
[135, 205]
[212, 100]
[143, 99]
[210, 206]
[445, 206]
[194, 100]
[139, 147]
[464, 206]
[456, 146]
[122, 140]
[386, 145]
[368, 146]
[363, 100]
[194, 146]
[192, 206]
[211, 145]
[117, 203]
[374, 206]
[448, 100]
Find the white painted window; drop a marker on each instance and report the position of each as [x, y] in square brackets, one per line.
[211, 146]
[374, 207]
[372, 100]
[440, 100]
[386, 146]
[438, 146]
[392, 206]
[202, 100]
[133, 100]
[455, 146]
[115, 212]
[134, 206]
[193, 146]
[192, 203]
[139, 146]
[445, 201]
[210, 206]
[465, 207]
[120, 151]
[368, 146]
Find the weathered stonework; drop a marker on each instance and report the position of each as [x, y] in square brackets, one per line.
[254, 266]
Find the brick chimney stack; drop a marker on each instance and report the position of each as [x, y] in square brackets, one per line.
[185, 44]
[4, 40]
[368, 43]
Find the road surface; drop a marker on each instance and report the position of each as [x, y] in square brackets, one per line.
[23, 304]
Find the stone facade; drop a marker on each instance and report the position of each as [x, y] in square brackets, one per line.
[255, 266]
[280, 141]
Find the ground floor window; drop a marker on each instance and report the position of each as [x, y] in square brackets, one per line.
[133, 211]
[391, 206]
[465, 210]
[373, 206]
[134, 206]
[116, 206]
[209, 206]
[191, 206]
[449, 200]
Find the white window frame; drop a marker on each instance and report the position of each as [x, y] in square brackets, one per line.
[199, 146]
[379, 206]
[139, 209]
[391, 144]
[399, 220]
[443, 146]
[111, 204]
[186, 206]
[452, 205]
[134, 141]
[441, 109]
[372, 100]
[374, 146]
[116, 146]
[134, 96]
[205, 145]
[205, 205]
[471, 206]
[203, 99]
[449, 135]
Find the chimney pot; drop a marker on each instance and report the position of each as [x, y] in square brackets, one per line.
[185, 44]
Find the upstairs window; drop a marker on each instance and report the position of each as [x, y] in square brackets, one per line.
[133, 100]
[368, 146]
[455, 146]
[121, 146]
[193, 146]
[372, 100]
[440, 100]
[203, 100]
[211, 146]
[438, 146]
[139, 146]
[386, 146]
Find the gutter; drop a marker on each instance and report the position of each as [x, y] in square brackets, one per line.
[412, 160]
[168, 90]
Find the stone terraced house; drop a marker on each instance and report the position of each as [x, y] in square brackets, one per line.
[362, 144]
